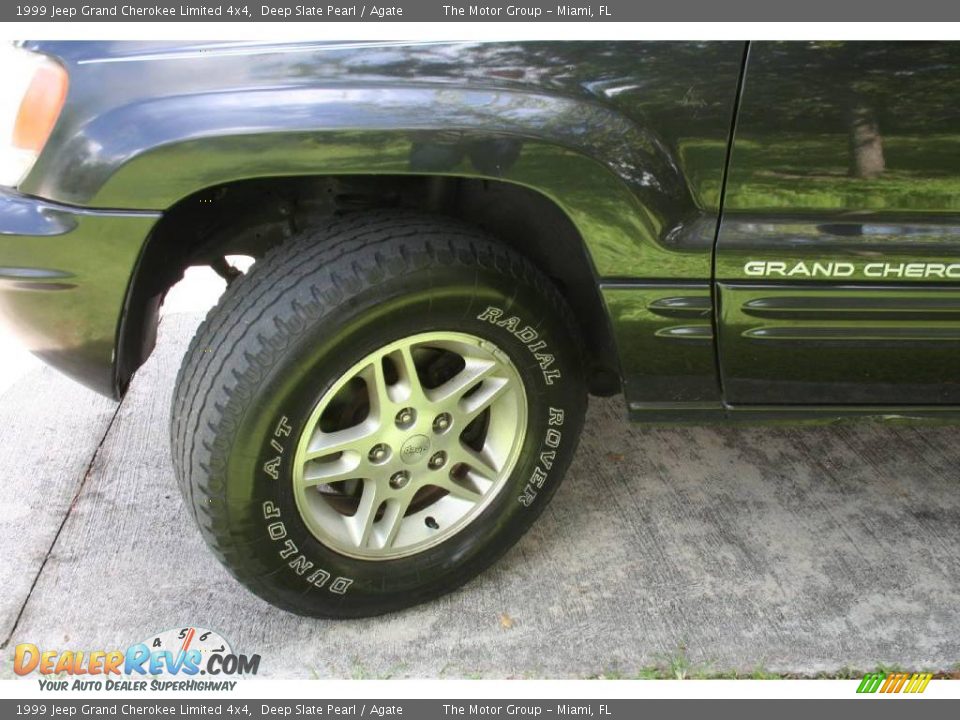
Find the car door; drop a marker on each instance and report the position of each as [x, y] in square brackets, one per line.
[838, 257]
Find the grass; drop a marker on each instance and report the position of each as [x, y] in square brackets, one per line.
[673, 666]
[674, 672]
[677, 666]
[811, 173]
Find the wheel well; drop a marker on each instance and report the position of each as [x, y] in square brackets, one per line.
[248, 217]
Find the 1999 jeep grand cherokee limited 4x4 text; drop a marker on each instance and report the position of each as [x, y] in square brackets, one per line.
[455, 243]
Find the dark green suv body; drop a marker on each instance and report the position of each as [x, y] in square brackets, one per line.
[454, 244]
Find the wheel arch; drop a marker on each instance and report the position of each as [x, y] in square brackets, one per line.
[247, 217]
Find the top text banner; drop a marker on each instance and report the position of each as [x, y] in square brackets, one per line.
[455, 11]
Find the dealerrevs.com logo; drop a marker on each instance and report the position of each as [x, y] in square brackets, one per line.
[189, 658]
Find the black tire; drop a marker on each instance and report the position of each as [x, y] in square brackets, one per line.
[284, 332]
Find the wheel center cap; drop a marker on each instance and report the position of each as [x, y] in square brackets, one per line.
[414, 449]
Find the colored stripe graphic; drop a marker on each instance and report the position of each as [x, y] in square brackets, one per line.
[918, 683]
[894, 682]
[871, 682]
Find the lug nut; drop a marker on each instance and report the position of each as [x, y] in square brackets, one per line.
[437, 460]
[379, 453]
[442, 422]
[399, 480]
[406, 417]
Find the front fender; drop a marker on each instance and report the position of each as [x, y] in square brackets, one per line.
[238, 116]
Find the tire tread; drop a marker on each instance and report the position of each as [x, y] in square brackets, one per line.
[294, 284]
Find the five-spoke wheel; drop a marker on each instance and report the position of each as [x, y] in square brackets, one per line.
[409, 445]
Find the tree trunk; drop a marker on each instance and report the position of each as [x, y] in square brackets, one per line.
[866, 145]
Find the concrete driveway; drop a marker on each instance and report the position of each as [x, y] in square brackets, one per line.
[704, 550]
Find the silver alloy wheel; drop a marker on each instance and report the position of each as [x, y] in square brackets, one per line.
[410, 445]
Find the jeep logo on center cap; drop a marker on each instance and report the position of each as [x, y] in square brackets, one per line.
[415, 449]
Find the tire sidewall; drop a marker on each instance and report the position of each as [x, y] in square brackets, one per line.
[287, 563]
